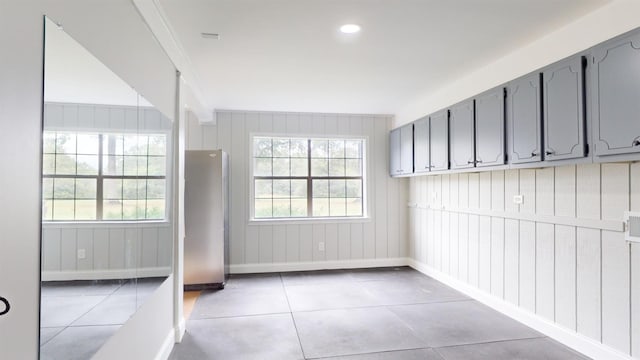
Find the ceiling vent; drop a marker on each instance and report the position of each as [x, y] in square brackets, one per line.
[632, 226]
[210, 36]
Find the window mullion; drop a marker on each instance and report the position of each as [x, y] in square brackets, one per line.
[309, 182]
[99, 184]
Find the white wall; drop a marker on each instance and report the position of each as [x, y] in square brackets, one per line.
[146, 68]
[560, 255]
[20, 129]
[145, 335]
[277, 246]
[604, 23]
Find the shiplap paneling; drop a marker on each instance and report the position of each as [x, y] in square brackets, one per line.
[383, 235]
[293, 245]
[635, 266]
[484, 254]
[108, 248]
[583, 279]
[615, 260]
[473, 250]
[545, 271]
[497, 268]
[331, 242]
[512, 261]
[280, 243]
[589, 282]
[565, 276]
[527, 280]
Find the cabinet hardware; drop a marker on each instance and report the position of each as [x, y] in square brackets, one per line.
[471, 162]
[534, 154]
[478, 161]
[549, 152]
[7, 307]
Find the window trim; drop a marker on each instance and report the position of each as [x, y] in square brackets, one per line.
[308, 219]
[99, 177]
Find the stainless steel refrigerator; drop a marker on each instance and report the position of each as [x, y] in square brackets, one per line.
[206, 211]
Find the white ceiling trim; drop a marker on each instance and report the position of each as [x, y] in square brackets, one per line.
[154, 16]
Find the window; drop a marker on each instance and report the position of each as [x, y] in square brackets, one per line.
[307, 177]
[103, 176]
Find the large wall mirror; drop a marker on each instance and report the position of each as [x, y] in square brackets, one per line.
[106, 229]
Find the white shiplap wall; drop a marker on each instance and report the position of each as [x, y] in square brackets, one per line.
[112, 250]
[380, 240]
[561, 254]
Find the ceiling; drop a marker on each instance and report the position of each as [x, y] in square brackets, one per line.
[288, 55]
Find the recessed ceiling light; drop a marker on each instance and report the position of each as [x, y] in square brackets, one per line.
[350, 28]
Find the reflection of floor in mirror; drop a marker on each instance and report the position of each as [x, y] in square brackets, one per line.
[77, 317]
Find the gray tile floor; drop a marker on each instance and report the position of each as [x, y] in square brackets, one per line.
[377, 314]
[78, 317]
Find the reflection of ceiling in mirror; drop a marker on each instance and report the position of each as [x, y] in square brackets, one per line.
[74, 75]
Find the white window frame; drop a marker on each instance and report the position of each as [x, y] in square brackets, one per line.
[168, 177]
[309, 219]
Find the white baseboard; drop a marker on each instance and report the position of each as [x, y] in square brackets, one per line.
[167, 347]
[570, 338]
[180, 330]
[105, 274]
[316, 265]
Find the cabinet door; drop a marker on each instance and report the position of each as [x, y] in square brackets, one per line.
[564, 116]
[524, 119]
[439, 139]
[490, 149]
[462, 135]
[616, 97]
[406, 149]
[421, 146]
[394, 152]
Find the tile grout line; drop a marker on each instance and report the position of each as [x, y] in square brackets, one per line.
[374, 352]
[293, 319]
[65, 327]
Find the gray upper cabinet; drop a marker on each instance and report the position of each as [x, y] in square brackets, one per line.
[394, 152]
[406, 149]
[462, 135]
[524, 119]
[421, 146]
[616, 96]
[490, 147]
[401, 151]
[564, 115]
[439, 140]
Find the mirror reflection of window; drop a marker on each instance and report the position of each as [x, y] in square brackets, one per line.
[106, 173]
[130, 170]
